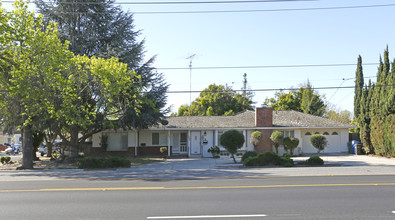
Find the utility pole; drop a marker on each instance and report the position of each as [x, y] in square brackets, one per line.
[245, 84]
[190, 58]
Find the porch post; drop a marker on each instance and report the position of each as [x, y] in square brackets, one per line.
[216, 137]
[137, 143]
[189, 143]
[168, 144]
[245, 133]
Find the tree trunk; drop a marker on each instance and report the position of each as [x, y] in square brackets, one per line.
[234, 159]
[74, 148]
[27, 158]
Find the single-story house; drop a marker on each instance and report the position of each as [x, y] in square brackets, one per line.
[194, 135]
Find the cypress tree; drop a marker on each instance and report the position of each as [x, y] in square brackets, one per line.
[382, 110]
[358, 88]
[364, 116]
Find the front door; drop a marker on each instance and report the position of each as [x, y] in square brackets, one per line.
[176, 143]
[195, 142]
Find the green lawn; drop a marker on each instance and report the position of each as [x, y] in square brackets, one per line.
[141, 161]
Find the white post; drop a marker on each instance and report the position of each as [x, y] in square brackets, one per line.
[216, 137]
[189, 143]
[168, 144]
[137, 143]
[245, 133]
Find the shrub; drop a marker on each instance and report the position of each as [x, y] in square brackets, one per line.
[214, 150]
[248, 154]
[315, 160]
[268, 159]
[318, 141]
[5, 159]
[290, 143]
[287, 162]
[256, 138]
[277, 138]
[232, 140]
[163, 150]
[105, 162]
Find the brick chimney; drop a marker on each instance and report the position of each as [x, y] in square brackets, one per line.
[264, 118]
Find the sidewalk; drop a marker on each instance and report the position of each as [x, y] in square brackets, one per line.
[192, 168]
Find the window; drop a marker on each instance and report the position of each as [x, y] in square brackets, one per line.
[184, 137]
[117, 141]
[317, 132]
[334, 133]
[155, 138]
[289, 133]
[307, 133]
[159, 138]
[325, 133]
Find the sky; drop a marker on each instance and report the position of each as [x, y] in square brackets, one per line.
[276, 37]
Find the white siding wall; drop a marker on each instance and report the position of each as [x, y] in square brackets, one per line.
[210, 142]
[336, 143]
[132, 138]
[250, 146]
[96, 139]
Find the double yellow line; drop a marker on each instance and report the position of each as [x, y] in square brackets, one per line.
[193, 187]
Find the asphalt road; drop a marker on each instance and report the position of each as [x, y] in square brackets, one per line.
[264, 197]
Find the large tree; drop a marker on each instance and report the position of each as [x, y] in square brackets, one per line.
[305, 100]
[342, 116]
[101, 29]
[32, 62]
[217, 100]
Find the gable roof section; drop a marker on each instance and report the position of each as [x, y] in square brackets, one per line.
[246, 119]
[302, 120]
[242, 120]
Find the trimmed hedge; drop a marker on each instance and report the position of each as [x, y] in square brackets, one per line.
[268, 159]
[105, 162]
[315, 161]
[248, 154]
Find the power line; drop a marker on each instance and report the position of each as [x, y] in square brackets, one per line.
[282, 89]
[240, 11]
[268, 66]
[267, 10]
[179, 2]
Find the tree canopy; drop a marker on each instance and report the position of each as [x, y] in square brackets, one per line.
[217, 100]
[43, 85]
[102, 30]
[304, 100]
[341, 116]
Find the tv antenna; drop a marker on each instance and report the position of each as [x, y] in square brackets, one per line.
[190, 58]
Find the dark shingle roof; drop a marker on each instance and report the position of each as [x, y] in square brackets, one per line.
[247, 120]
[299, 119]
[241, 120]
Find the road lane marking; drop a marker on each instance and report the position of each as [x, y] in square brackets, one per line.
[187, 178]
[194, 187]
[208, 216]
